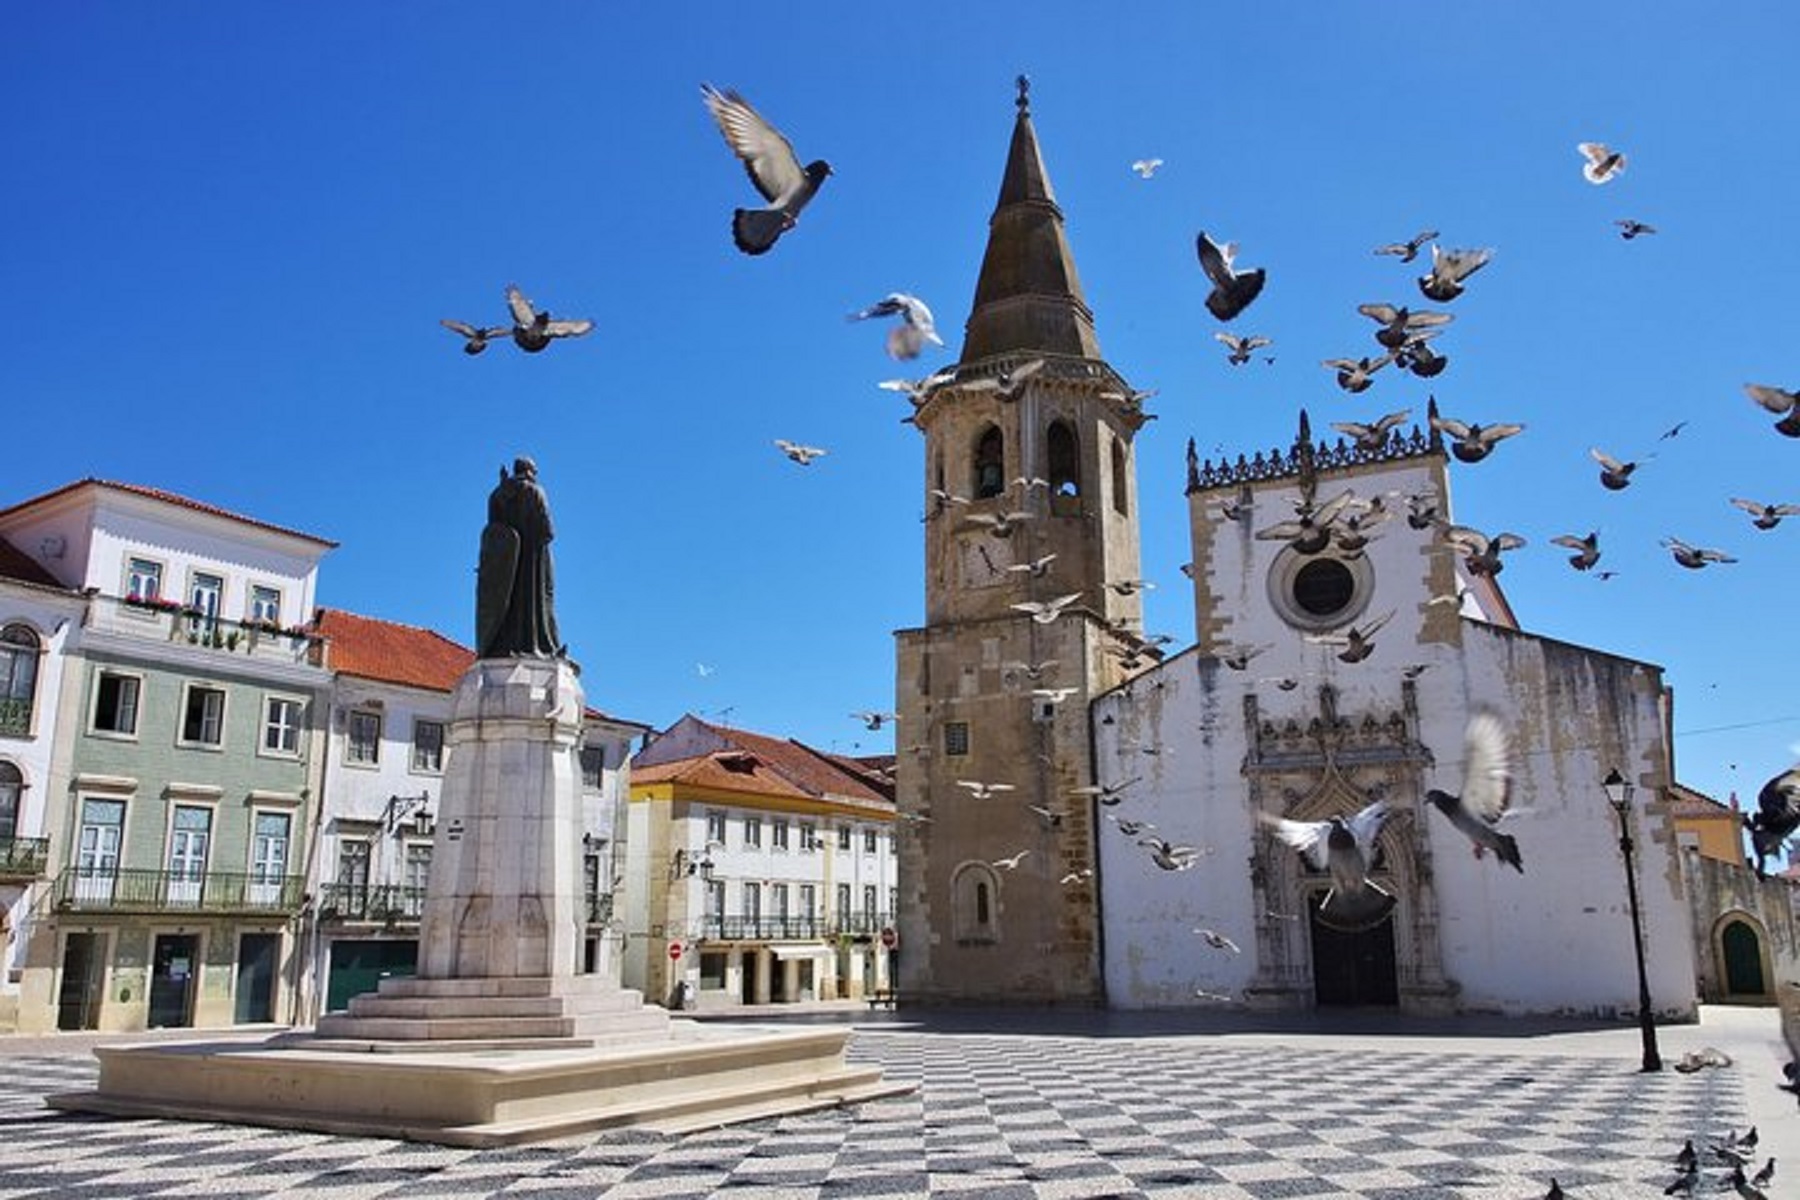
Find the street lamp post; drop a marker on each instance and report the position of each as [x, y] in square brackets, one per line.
[1618, 794]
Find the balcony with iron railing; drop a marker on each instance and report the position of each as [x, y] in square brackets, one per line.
[15, 716]
[383, 903]
[173, 621]
[750, 929]
[130, 890]
[23, 858]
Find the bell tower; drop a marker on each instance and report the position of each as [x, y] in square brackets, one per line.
[1031, 500]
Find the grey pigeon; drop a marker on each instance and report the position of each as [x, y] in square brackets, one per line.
[1695, 557]
[1587, 549]
[475, 339]
[773, 167]
[1686, 1182]
[1346, 848]
[1766, 516]
[1555, 1192]
[533, 330]
[1481, 553]
[1421, 510]
[1357, 641]
[1241, 347]
[1744, 1187]
[1763, 1177]
[1486, 790]
[1686, 1158]
[1408, 250]
[1473, 442]
[1629, 229]
[1006, 384]
[1108, 794]
[1373, 436]
[908, 338]
[1232, 290]
[1603, 162]
[1777, 815]
[918, 390]
[1615, 476]
[1398, 325]
[1356, 374]
[1417, 356]
[1310, 530]
[1448, 270]
[1778, 400]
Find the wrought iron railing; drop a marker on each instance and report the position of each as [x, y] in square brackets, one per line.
[742, 928]
[131, 890]
[23, 858]
[15, 716]
[599, 908]
[364, 902]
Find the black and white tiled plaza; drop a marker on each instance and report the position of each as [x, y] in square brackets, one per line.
[1051, 1112]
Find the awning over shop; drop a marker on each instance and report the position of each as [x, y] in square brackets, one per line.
[786, 950]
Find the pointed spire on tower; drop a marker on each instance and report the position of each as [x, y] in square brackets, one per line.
[1028, 297]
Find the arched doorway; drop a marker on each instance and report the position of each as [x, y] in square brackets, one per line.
[1740, 949]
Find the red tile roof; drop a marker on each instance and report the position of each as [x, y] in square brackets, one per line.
[16, 564]
[391, 653]
[777, 767]
[1684, 801]
[151, 493]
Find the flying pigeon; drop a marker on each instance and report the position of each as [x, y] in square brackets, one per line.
[1603, 162]
[908, 338]
[1777, 815]
[533, 330]
[1232, 290]
[1778, 400]
[873, 721]
[1031, 671]
[1146, 167]
[1672, 431]
[1045, 612]
[1695, 557]
[1448, 270]
[918, 390]
[1131, 587]
[983, 791]
[1356, 374]
[1615, 476]
[1357, 641]
[1629, 229]
[1239, 659]
[1109, 794]
[1129, 827]
[1000, 524]
[773, 167]
[1408, 250]
[1037, 568]
[1481, 553]
[800, 454]
[1421, 510]
[1241, 347]
[1053, 695]
[1766, 516]
[1218, 941]
[1473, 442]
[1078, 876]
[1011, 862]
[1007, 383]
[1309, 531]
[1168, 856]
[1486, 790]
[1587, 549]
[1346, 848]
[1232, 509]
[1355, 526]
[1398, 325]
[1372, 437]
[1418, 357]
[475, 339]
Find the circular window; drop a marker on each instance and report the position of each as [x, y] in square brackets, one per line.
[1319, 591]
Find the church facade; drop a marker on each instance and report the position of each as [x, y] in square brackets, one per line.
[1076, 805]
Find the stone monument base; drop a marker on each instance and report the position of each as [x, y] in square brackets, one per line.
[484, 1090]
[584, 1010]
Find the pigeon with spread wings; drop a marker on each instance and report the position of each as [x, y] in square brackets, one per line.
[1486, 790]
[1232, 290]
[1345, 847]
[916, 327]
[475, 339]
[533, 330]
[773, 167]
[1449, 268]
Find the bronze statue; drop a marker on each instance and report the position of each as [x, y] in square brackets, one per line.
[515, 586]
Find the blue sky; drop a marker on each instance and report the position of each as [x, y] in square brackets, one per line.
[231, 230]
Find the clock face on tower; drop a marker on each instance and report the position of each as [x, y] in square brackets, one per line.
[982, 560]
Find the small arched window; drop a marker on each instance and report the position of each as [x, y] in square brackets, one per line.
[981, 904]
[975, 893]
[12, 783]
[18, 678]
[1062, 460]
[990, 463]
[1121, 500]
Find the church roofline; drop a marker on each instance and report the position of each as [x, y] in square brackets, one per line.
[1295, 462]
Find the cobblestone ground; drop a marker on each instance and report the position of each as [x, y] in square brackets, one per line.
[1002, 1116]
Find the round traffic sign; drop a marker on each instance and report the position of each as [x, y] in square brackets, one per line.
[889, 938]
[674, 951]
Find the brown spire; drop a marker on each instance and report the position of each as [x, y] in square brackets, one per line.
[1028, 298]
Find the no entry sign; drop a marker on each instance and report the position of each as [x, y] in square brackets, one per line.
[674, 951]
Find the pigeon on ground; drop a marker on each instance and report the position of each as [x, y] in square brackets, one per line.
[799, 453]
[1777, 815]
[908, 338]
[1778, 400]
[918, 390]
[1686, 1182]
[1346, 848]
[1615, 476]
[1555, 1192]
[1109, 794]
[1398, 325]
[533, 330]
[1587, 549]
[1695, 557]
[1765, 1176]
[1146, 167]
[1686, 1158]
[1045, 612]
[1408, 250]
[1744, 1187]
[873, 721]
[1486, 790]
[1356, 374]
[773, 166]
[1766, 516]
[475, 339]
[1448, 270]
[1481, 553]
[1603, 162]
[1357, 641]
[1232, 290]
[980, 790]
[1629, 229]
[1241, 347]
[1373, 436]
[1007, 383]
[1473, 442]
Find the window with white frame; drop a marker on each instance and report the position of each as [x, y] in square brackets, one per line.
[809, 837]
[363, 743]
[715, 827]
[778, 833]
[143, 579]
[282, 716]
[353, 864]
[18, 678]
[778, 901]
[845, 833]
[593, 767]
[116, 703]
[428, 746]
[12, 784]
[871, 841]
[203, 715]
[190, 834]
[265, 604]
[809, 902]
[102, 824]
[417, 868]
[206, 592]
[715, 900]
[752, 832]
[752, 902]
[269, 847]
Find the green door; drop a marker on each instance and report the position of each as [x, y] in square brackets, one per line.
[258, 954]
[1743, 960]
[360, 966]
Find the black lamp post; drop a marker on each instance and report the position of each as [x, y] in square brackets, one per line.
[1618, 794]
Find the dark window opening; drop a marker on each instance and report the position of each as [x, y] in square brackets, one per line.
[1063, 460]
[1120, 501]
[1324, 586]
[990, 464]
[956, 737]
[981, 904]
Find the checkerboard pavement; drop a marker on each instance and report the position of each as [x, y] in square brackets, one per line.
[999, 1117]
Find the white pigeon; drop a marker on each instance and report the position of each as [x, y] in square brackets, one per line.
[1345, 847]
[533, 330]
[1217, 940]
[918, 390]
[1045, 612]
[1603, 163]
[1146, 167]
[1000, 524]
[983, 791]
[908, 338]
[1006, 384]
[1232, 290]
[873, 721]
[800, 454]
[1011, 862]
[773, 167]
[1486, 790]
[1053, 695]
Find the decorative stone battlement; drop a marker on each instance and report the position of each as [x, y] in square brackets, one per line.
[1305, 457]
